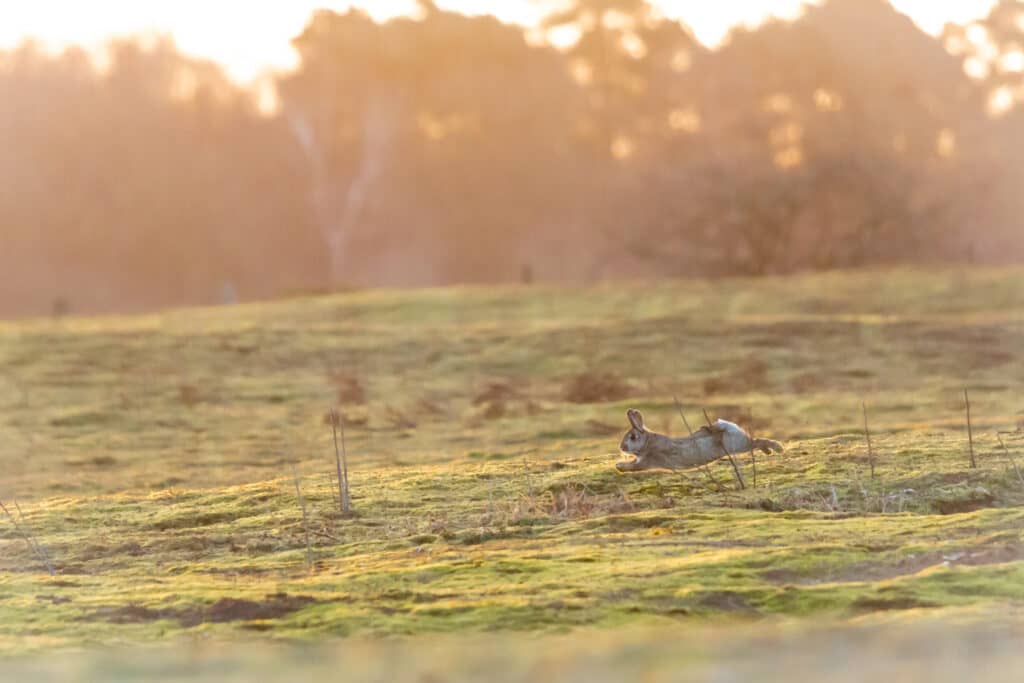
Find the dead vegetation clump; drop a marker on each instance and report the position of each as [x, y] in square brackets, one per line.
[353, 420]
[881, 604]
[501, 399]
[398, 419]
[750, 375]
[598, 428]
[189, 395]
[965, 499]
[495, 410]
[808, 382]
[725, 601]
[222, 611]
[349, 388]
[496, 392]
[840, 499]
[572, 501]
[21, 526]
[431, 407]
[597, 387]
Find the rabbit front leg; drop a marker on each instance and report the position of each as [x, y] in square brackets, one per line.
[634, 465]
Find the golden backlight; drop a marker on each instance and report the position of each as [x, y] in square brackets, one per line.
[216, 151]
[248, 39]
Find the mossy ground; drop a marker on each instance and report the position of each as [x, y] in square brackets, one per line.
[152, 455]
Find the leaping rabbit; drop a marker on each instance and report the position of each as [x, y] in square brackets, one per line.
[657, 451]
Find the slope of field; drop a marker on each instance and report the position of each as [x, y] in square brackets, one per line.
[151, 457]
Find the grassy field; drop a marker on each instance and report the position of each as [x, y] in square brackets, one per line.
[151, 456]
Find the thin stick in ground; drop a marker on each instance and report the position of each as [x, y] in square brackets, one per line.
[344, 464]
[679, 407]
[341, 462]
[1012, 460]
[686, 423]
[753, 459]
[305, 519]
[40, 550]
[26, 533]
[732, 460]
[970, 430]
[713, 478]
[384, 491]
[867, 437]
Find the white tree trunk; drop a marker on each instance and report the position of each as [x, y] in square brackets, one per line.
[340, 212]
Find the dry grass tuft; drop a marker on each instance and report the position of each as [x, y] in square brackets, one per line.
[597, 387]
[350, 389]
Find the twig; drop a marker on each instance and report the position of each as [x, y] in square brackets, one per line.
[1011, 459]
[970, 431]
[732, 460]
[40, 550]
[26, 533]
[305, 519]
[341, 461]
[867, 437]
[681, 414]
[705, 468]
[692, 483]
[713, 478]
[626, 500]
[384, 490]
[329, 537]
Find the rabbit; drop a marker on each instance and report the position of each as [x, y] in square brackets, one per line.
[657, 451]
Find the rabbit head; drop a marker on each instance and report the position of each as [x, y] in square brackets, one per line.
[635, 440]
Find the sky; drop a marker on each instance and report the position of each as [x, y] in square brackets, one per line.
[250, 38]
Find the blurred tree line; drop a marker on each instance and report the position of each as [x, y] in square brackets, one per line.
[447, 148]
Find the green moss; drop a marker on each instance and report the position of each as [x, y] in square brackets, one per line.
[154, 501]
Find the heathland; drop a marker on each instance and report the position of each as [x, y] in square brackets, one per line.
[152, 461]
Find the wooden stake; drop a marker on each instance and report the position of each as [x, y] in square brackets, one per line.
[970, 430]
[753, 458]
[867, 437]
[341, 461]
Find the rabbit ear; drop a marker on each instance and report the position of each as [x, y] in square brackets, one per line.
[635, 418]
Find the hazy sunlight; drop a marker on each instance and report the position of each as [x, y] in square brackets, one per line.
[370, 344]
[262, 42]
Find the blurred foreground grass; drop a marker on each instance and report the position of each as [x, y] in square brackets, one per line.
[920, 649]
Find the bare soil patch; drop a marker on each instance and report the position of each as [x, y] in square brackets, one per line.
[866, 604]
[881, 571]
[976, 502]
[725, 601]
[224, 610]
